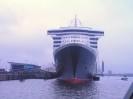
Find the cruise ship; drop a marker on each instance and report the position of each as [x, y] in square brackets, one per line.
[75, 51]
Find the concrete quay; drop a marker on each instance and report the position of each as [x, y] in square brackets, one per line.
[23, 76]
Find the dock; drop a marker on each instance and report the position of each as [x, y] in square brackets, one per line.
[24, 75]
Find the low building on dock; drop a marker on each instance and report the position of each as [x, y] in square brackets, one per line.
[50, 69]
[16, 67]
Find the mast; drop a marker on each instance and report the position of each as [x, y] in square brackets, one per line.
[75, 20]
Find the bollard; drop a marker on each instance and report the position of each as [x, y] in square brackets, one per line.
[13, 76]
[44, 76]
[22, 76]
[7, 77]
[18, 76]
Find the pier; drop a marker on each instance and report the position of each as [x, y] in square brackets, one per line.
[25, 75]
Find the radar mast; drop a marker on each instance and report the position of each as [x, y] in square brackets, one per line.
[75, 20]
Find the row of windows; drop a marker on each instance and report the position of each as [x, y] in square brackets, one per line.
[91, 35]
[57, 38]
[72, 30]
[76, 37]
[56, 45]
[94, 46]
[57, 41]
[74, 41]
[93, 38]
[93, 42]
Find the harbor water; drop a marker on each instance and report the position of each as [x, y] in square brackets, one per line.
[106, 88]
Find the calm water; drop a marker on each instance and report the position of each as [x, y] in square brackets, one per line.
[106, 88]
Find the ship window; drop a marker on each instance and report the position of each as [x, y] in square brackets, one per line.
[57, 41]
[93, 42]
[56, 45]
[56, 38]
[93, 38]
[94, 46]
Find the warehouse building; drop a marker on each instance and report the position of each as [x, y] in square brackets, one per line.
[14, 67]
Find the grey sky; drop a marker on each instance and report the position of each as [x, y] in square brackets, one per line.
[24, 25]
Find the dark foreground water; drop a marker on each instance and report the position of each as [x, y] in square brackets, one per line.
[106, 88]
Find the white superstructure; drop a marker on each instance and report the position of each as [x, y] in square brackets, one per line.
[80, 35]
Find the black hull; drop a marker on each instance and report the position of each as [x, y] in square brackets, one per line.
[75, 62]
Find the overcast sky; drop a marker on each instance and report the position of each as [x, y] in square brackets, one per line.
[24, 25]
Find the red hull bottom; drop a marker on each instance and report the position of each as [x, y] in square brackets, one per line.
[75, 80]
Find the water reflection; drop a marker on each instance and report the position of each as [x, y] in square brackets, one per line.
[84, 90]
[106, 88]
